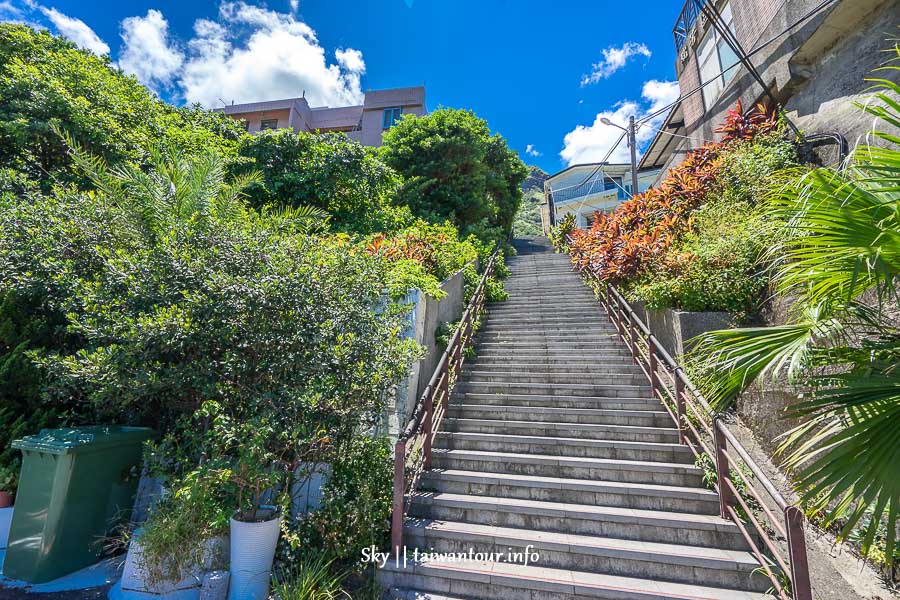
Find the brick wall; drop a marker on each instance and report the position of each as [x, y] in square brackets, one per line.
[751, 17]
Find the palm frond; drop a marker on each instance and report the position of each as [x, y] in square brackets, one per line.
[846, 454]
[730, 360]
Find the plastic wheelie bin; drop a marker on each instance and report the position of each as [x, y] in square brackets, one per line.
[76, 485]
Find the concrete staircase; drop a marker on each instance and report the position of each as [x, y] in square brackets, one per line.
[554, 444]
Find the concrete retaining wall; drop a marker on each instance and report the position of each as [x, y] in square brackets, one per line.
[422, 322]
[675, 328]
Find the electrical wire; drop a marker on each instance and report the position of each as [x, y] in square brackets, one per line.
[756, 50]
[646, 118]
[678, 135]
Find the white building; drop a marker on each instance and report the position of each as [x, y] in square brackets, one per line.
[585, 189]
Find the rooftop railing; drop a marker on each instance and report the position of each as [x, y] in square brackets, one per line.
[685, 22]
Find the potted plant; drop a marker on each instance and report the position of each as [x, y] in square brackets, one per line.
[247, 467]
[255, 527]
[9, 481]
[184, 538]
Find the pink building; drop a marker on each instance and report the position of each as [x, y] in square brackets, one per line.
[364, 123]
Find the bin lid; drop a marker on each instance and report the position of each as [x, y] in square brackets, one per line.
[66, 441]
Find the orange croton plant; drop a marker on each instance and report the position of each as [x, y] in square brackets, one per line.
[642, 228]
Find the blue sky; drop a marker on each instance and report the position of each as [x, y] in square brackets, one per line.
[541, 73]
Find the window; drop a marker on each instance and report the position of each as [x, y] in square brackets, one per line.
[268, 124]
[716, 60]
[391, 116]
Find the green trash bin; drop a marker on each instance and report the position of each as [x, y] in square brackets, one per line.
[75, 486]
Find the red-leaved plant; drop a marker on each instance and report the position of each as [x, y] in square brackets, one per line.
[642, 228]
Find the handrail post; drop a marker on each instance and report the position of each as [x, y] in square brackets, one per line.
[654, 376]
[428, 425]
[619, 324]
[680, 406]
[399, 492]
[445, 390]
[720, 445]
[800, 583]
[609, 304]
[632, 333]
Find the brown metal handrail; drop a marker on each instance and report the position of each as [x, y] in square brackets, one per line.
[412, 452]
[693, 414]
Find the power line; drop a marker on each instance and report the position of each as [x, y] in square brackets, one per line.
[597, 168]
[682, 97]
[678, 135]
[756, 50]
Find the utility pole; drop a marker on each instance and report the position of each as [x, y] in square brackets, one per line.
[634, 165]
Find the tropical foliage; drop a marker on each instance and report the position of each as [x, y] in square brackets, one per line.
[328, 171]
[454, 169]
[160, 266]
[47, 82]
[693, 241]
[839, 258]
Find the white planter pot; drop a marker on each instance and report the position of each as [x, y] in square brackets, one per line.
[134, 575]
[252, 553]
[5, 521]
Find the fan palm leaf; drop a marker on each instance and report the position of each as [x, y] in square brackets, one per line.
[841, 245]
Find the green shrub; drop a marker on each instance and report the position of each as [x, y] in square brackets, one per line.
[356, 504]
[328, 171]
[717, 264]
[46, 81]
[453, 168]
[559, 234]
[313, 576]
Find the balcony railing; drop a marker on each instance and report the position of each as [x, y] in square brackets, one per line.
[685, 22]
[587, 188]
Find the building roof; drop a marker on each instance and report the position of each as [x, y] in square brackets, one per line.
[666, 140]
[408, 96]
[584, 166]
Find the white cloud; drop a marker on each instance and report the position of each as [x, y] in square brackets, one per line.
[8, 11]
[590, 143]
[351, 59]
[76, 30]
[295, 6]
[254, 54]
[530, 150]
[613, 60]
[147, 51]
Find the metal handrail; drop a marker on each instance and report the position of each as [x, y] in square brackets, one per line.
[691, 407]
[412, 451]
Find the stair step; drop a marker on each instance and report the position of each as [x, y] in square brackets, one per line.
[569, 467]
[646, 496]
[574, 430]
[504, 581]
[580, 360]
[628, 558]
[536, 400]
[554, 414]
[556, 389]
[608, 521]
[538, 376]
[579, 370]
[566, 446]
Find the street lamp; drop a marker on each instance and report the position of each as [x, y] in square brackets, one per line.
[632, 145]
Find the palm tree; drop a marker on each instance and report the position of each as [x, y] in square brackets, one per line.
[839, 256]
[177, 188]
